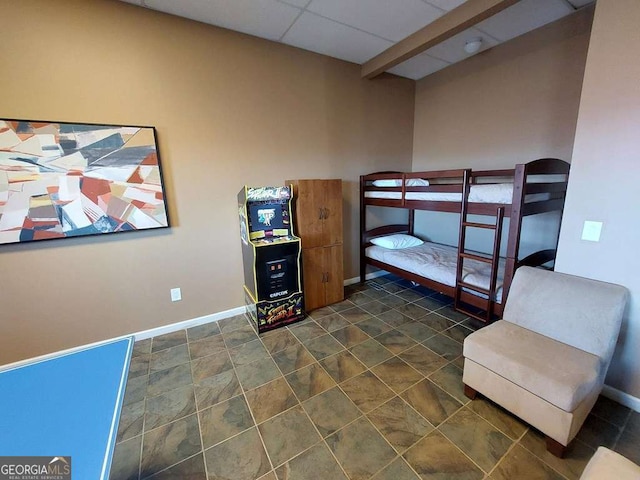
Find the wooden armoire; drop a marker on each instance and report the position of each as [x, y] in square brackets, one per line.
[318, 222]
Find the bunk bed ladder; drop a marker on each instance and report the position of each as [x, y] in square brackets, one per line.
[493, 260]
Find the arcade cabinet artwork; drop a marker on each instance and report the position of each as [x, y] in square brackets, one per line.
[271, 255]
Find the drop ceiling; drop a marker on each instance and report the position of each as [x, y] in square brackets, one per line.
[358, 30]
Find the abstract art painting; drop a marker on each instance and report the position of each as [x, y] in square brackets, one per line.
[61, 180]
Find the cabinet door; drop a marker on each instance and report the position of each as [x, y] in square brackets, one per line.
[313, 260]
[332, 221]
[334, 287]
[308, 216]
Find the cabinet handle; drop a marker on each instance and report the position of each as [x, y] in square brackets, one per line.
[327, 278]
[323, 213]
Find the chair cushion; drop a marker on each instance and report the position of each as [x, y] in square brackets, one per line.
[525, 357]
[608, 464]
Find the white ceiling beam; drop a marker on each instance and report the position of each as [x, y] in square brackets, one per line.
[451, 23]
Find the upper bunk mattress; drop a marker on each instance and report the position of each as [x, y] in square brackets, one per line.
[438, 262]
[482, 193]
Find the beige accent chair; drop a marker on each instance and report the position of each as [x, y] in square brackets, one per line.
[546, 360]
[606, 464]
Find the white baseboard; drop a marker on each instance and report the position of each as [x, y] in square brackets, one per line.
[369, 276]
[194, 322]
[622, 398]
[152, 332]
[214, 317]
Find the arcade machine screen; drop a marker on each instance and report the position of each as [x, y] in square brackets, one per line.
[266, 217]
[268, 220]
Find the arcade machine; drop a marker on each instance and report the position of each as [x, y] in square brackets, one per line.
[271, 256]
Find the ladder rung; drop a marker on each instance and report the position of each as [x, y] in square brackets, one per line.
[473, 314]
[468, 286]
[479, 258]
[488, 226]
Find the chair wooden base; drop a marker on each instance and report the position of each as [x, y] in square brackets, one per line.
[555, 448]
[470, 392]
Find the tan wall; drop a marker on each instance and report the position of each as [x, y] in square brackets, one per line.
[511, 104]
[603, 185]
[229, 109]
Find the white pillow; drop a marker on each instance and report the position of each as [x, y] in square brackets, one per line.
[417, 182]
[392, 182]
[397, 241]
[396, 182]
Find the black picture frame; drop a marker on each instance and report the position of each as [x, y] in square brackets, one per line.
[64, 180]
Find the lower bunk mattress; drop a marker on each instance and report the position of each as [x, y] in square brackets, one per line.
[438, 262]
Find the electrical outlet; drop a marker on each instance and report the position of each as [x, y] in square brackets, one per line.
[176, 295]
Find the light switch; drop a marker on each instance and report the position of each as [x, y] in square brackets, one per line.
[176, 294]
[591, 231]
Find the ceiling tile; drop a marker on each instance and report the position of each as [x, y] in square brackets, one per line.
[523, 17]
[452, 49]
[445, 4]
[419, 66]
[263, 18]
[580, 3]
[297, 3]
[393, 20]
[321, 35]
[358, 30]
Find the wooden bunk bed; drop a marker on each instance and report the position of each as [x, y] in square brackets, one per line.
[528, 189]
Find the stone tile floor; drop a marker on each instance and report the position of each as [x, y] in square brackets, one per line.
[367, 388]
